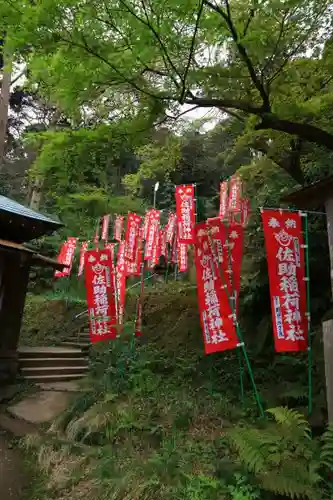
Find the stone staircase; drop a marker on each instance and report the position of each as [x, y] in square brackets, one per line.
[68, 361]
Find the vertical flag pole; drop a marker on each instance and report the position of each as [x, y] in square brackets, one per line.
[307, 272]
[239, 334]
[232, 301]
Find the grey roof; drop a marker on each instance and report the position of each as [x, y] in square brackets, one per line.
[11, 206]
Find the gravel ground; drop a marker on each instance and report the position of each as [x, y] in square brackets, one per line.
[12, 474]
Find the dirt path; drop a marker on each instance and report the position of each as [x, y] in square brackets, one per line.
[13, 478]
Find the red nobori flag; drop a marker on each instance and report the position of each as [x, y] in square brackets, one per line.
[185, 204]
[66, 257]
[235, 194]
[245, 212]
[121, 282]
[105, 227]
[146, 222]
[218, 233]
[131, 236]
[235, 245]
[139, 307]
[156, 253]
[100, 295]
[164, 244]
[286, 271]
[223, 212]
[134, 268]
[110, 246]
[83, 249]
[152, 234]
[118, 227]
[170, 228]
[182, 257]
[216, 316]
[228, 249]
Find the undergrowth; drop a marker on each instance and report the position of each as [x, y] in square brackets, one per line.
[162, 421]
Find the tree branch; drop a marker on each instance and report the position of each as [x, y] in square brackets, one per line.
[205, 102]
[201, 5]
[288, 160]
[310, 133]
[148, 24]
[125, 79]
[242, 52]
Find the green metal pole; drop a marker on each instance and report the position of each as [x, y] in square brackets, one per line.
[307, 272]
[241, 381]
[239, 335]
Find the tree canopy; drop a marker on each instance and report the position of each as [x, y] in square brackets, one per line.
[266, 59]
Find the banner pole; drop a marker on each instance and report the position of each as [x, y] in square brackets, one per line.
[238, 331]
[241, 381]
[233, 303]
[307, 269]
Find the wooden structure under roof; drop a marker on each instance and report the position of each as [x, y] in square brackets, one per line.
[18, 224]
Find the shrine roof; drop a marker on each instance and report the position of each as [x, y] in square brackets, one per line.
[313, 195]
[37, 258]
[19, 223]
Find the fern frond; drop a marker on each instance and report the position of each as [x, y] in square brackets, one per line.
[248, 444]
[291, 420]
[326, 453]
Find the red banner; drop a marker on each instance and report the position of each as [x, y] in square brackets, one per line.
[118, 227]
[164, 244]
[105, 227]
[170, 228]
[235, 194]
[152, 233]
[185, 205]
[228, 249]
[131, 236]
[235, 244]
[100, 295]
[146, 223]
[134, 268]
[174, 250]
[217, 323]
[83, 250]
[223, 212]
[182, 257]
[139, 308]
[121, 282]
[110, 246]
[245, 212]
[66, 257]
[156, 253]
[286, 271]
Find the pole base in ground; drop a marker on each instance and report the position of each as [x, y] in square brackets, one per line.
[328, 355]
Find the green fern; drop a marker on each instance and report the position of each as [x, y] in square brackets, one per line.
[326, 453]
[282, 455]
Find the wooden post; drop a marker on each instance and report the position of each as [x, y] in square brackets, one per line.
[328, 324]
[15, 277]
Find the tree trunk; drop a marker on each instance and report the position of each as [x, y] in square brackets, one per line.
[4, 101]
[36, 195]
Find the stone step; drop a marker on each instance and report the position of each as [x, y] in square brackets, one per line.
[84, 346]
[27, 362]
[78, 338]
[42, 378]
[33, 371]
[49, 352]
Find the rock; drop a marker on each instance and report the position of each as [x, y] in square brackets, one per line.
[70, 386]
[41, 407]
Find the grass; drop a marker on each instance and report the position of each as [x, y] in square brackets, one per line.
[153, 423]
